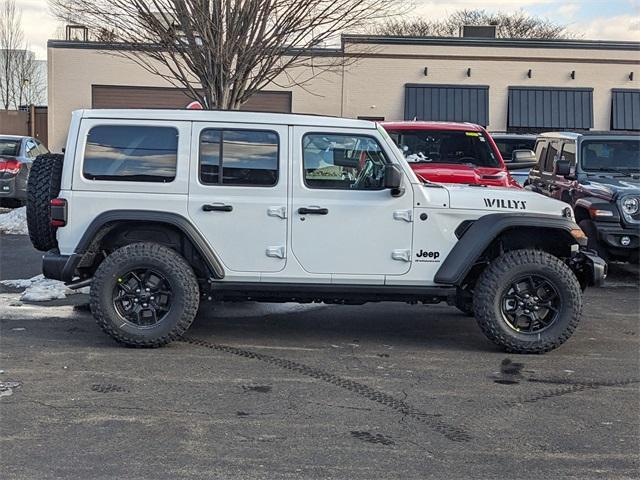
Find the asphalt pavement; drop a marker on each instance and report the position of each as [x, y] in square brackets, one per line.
[381, 391]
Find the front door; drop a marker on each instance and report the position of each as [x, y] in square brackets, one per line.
[344, 222]
[238, 193]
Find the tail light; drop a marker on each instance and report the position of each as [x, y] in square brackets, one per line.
[58, 212]
[11, 167]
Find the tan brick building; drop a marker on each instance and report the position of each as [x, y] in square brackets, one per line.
[514, 85]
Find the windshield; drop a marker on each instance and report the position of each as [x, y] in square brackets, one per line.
[9, 148]
[506, 146]
[611, 155]
[445, 146]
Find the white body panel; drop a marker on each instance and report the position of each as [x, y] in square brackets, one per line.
[355, 243]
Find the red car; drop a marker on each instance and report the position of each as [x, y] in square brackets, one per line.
[451, 153]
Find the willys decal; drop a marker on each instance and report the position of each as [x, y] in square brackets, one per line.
[508, 204]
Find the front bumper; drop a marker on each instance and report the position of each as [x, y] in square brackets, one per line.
[590, 269]
[610, 234]
[60, 267]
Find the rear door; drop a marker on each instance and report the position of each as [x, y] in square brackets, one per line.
[238, 193]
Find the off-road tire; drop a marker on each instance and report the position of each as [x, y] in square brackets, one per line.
[43, 185]
[591, 232]
[173, 267]
[497, 277]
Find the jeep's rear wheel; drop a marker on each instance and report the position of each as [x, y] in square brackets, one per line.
[43, 185]
[528, 301]
[144, 295]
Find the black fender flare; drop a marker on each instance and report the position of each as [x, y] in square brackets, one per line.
[482, 232]
[601, 204]
[173, 219]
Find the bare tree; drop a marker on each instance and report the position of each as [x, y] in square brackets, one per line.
[224, 51]
[21, 77]
[11, 42]
[509, 25]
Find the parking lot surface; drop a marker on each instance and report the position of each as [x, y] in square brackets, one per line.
[342, 392]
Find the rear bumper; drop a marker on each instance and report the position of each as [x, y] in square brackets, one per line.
[60, 267]
[8, 188]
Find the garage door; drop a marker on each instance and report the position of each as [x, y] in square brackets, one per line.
[116, 96]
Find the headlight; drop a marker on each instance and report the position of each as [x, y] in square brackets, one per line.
[630, 205]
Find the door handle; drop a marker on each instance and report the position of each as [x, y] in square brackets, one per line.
[217, 208]
[313, 211]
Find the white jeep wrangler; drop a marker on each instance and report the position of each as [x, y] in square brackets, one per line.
[156, 210]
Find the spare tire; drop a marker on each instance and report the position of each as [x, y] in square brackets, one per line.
[43, 186]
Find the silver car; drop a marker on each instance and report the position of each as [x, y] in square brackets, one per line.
[16, 156]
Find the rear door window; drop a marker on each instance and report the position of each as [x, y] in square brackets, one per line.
[239, 157]
[31, 149]
[129, 153]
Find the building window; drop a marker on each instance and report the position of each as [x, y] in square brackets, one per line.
[129, 153]
[540, 109]
[239, 157]
[343, 162]
[447, 103]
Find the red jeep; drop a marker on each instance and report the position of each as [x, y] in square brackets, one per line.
[451, 153]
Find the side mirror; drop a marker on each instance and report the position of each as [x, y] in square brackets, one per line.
[522, 156]
[341, 158]
[393, 179]
[521, 160]
[561, 167]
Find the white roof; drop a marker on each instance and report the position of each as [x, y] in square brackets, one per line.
[228, 117]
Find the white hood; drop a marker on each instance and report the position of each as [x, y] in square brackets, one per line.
[489, 199]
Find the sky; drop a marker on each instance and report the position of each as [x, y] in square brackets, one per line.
[592, 19]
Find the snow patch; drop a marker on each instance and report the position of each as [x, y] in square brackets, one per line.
[14, 222]
[40, 289]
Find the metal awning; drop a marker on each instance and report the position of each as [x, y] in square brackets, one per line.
[625, 111]
[550, 107]
[450, 103]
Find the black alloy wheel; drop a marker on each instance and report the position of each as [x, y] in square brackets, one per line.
[142, 297]
[531, 304]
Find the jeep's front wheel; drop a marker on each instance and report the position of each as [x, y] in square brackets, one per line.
[528, 301]
[144, 295]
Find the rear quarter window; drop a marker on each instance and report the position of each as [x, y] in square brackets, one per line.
[128, 153]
